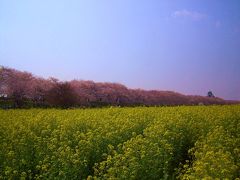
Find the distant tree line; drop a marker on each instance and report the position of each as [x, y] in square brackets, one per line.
[22, 89]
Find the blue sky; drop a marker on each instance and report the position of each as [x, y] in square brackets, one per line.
[180, 45]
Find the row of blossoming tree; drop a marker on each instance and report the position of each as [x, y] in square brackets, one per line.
[22, 89]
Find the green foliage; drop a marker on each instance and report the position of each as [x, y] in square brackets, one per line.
[121, 143]
[4, 104]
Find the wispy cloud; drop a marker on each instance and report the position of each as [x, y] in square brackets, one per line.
[194, 15]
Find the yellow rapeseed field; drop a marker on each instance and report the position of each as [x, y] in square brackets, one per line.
[200, 142]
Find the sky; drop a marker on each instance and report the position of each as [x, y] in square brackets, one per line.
[185, 46]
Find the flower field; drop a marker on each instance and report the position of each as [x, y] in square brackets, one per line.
[121, 143]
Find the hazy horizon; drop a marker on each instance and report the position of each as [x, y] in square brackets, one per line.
[182, 46]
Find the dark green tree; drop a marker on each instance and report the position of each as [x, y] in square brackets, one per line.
[210, 94]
